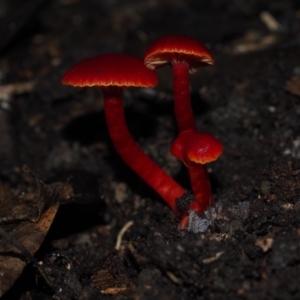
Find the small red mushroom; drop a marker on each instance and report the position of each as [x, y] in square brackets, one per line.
[195, 149]
[112, 73]
[186, 55]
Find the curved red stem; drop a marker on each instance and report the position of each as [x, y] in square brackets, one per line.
[132, 154]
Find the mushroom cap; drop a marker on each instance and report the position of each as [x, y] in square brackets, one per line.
[110, 70]
[198, 147]
[170, 49]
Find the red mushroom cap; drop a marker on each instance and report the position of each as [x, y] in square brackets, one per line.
[198, 147]
[110, 70]
[167, 49]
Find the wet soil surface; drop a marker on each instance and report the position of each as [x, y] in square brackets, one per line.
[249, 100]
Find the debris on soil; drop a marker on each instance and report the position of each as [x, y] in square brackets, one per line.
[293, 86]
[26, 218]
[248, 100]
[30, 236]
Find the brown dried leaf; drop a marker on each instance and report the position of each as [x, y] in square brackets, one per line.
[109, 284]
[31, 236]
[26, 218]
[18, 205]
[265, 243]
[254, 41]
[293, 86]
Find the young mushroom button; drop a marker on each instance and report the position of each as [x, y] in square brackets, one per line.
[195, 149]
[186, 55]
[112, 73]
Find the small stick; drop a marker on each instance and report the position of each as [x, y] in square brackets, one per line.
[121, 234]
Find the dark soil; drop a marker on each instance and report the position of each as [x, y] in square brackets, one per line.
[249, 100]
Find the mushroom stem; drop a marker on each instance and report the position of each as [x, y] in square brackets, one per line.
[182, 102]
[132, 154]
[201, 187]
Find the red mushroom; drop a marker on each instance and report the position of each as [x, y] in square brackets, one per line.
[112, 73]
[195, 149]
[185, 55]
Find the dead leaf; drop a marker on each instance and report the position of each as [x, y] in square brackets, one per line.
[111, 285]
[264, 243]
[31, 236]
[26, 217]
[293, 86]
[254, 41]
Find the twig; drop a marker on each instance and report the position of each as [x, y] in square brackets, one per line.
[121, 233]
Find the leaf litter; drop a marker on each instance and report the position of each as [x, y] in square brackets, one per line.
[25, 219]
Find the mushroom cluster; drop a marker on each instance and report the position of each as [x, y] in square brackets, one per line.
[114, 72]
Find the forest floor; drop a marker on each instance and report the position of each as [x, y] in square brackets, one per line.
[249, 100]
